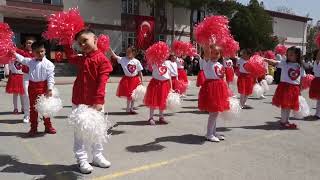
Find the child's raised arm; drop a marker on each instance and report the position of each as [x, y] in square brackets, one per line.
[271, 61]
[21, 59]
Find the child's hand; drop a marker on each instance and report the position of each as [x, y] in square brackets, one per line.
[49, 93]
[97, 107]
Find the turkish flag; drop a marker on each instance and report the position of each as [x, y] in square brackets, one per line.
[144, 31]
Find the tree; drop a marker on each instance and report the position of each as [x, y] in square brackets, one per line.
[251, 26]
[284, 9]
[311, 46]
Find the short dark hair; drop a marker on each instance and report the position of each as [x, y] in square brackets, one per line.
[297, 52]
[83, 31]
[38, 44]
[133, 49]
[315, 53]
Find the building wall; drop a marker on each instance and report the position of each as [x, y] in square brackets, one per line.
[295, 32]
[97, 11]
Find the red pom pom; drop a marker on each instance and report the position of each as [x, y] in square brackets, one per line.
[6, 44]
[306, 81]
[212, 30]
[103, 43]
[157, 53]
[317, 40]
[63, 26]
[181, 48]
[269, 55]
[256, 66]
[230, 47]
[280, 49]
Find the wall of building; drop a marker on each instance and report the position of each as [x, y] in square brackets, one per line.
[295, 32]
[97, 11]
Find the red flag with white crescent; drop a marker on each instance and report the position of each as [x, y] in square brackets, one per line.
[144, 31]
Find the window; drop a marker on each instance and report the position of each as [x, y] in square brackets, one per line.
[128, 39]
[161, 37]
[130, 6]
[53, 2]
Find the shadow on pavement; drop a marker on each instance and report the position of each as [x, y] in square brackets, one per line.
[122, 113]
[192, 112]
[190, 107]
[10, 121]
[190, 99]
[45, 172]
[268, 126]
[60, 117]
[115, 132]
[132, 123]
[21, 134]
[155, 146]
[6, 113]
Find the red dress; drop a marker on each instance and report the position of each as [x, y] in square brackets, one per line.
[200, 78]
[287, 96]
[245, 84]
[127, 85]
[229, 74]
[178, 86]
[314, 92]
[157, 93]
[94, 69]
[15, 81]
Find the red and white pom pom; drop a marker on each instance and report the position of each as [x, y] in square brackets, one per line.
[173, 101]
[90, 125]
[234, 111]
[48, 106]
[6, 44]
[230, 47]
[257, 91]
[306, 81]
[269, 79]
[103, 43]
[256, 66]
[63, 26]
[181, 48]
[280, 49]
[212, 30]
[304, 109]
[157, 53]
[269, 55]
[317, 40]
[138, 93]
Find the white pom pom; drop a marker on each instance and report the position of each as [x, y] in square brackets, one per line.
[234, 111]
[269, 79]
[264, 85]
[138, 93]
[90, 125]
[173, 101]
[257, 91]
[304, 109]
[48, 106]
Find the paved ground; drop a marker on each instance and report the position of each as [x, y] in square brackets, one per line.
[255, 149]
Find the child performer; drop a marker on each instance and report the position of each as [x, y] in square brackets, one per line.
[314, 92]
[213, 95]
[132, 69]
[26, 52]
[228, 65]
[41, 81]
[15, 84]
[201, 78]
[182, 74]
[158, 90]
[177, 85]
[245, 81]
[287, 93]
[89, 89]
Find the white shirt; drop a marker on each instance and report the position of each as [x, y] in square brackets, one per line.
[213, 70]
[161, 72]
[180, 63]
[130, 67]
[15, 67]
[241, 62]
[39, 70]
[173, 68]
[316, 69]
[201, 63]
[291, 72]
[228, 63]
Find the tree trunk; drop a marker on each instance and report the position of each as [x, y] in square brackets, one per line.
[191, 26]
[172, 25]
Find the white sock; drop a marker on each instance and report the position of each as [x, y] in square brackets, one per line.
[243, 99]
[285, 114]
[22, 102]
[151, 113]
[318, 108]
[132, 105]
[128, 105]
[15, 101]
[211, 127]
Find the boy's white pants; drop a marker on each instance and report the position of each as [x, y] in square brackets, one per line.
[79, 148]
[26, 95]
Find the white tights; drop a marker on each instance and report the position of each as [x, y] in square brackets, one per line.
[15, 101]
[212, 124]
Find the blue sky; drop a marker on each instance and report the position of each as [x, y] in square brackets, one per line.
[300, 7]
